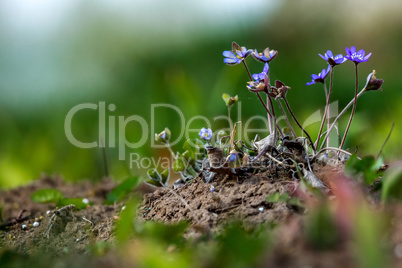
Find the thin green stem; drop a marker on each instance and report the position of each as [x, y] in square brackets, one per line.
[385, 142]
[353, 110]
[171, 151]
[297, 122]
[326, 112]
[229, 119]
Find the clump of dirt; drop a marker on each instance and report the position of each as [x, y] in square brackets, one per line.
[208, 205]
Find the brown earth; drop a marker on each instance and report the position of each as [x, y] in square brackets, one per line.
[206, 206]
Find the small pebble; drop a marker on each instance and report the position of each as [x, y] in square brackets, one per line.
[24, 226]
[35, 224]
[261, 209]
[85, 201]
[398, 251]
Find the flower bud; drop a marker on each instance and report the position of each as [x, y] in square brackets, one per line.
[163, 137]
[229, 100]
[373, 83]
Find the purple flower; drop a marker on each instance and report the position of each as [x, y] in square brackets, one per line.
[236, 55]
[205, 134]
[329, 57]
[261, 76]
[266, 56]
[356, 57]
[320, 77]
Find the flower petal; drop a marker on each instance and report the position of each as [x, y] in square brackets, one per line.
[310, 83]
[322, 56]
[367, 56]
[247, 53]
[266, 68]
[329, 54]
[228, 53]
[230, 61]
[347, 51]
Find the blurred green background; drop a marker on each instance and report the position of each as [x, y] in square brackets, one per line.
[58, 54]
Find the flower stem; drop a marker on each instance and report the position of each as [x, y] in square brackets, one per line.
[287, 119]
[326, 112]
[269, 113]
[341, 113]
[247, 70]
[297, 122]
[269, 117]
[273, 115]
[353, 110]
[171, 151]
[229, 119]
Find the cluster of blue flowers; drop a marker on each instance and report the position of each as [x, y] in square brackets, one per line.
[238, 55]
[259, 82]
[351, 54]
[234, 157]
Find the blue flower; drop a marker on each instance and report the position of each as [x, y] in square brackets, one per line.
[356, 57]
[205, 134]
[261, 76]
[320, 77]
[236, 55]
[232, 157]
[329, 57]
[266, 56]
